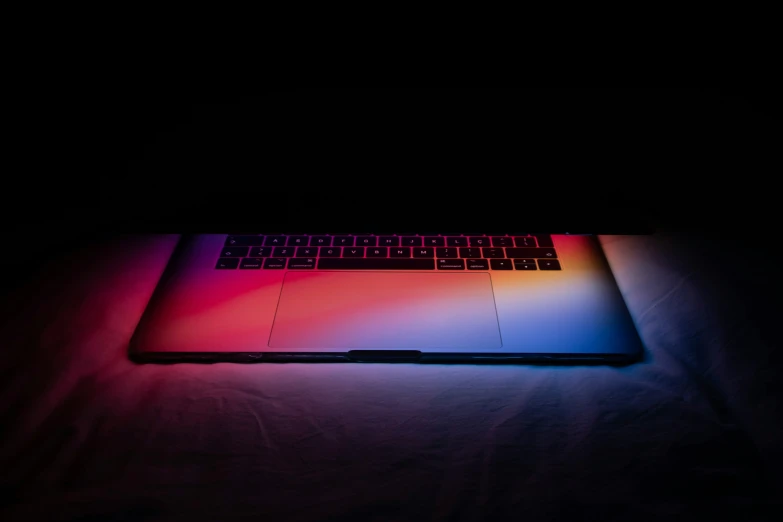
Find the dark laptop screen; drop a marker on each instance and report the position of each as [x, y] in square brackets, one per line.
[383, 160]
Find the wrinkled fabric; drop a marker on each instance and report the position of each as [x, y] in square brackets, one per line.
[88, 435]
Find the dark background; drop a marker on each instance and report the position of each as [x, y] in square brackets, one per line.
[692, 160]
[143, 158]
[698, 164]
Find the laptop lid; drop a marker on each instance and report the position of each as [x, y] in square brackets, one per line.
[387, 160]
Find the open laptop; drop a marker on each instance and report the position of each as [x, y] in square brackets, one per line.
[390, 228]
[406, 297]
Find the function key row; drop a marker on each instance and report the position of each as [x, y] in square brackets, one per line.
[389, 241]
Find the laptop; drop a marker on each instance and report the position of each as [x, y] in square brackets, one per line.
[389, 229]
[360, 297]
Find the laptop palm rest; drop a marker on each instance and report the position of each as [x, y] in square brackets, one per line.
[411, 311]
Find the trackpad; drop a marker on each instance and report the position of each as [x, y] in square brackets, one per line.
[386, 310]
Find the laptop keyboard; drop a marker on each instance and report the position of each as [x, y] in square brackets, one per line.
[393, 252]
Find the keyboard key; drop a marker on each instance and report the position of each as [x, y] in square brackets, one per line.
[330, 251]
[480, 241]
[244, 240]
[549, 264]
[434, 241]
[457, 241]
[477, 264]
[227, 262]
[366, 241]
[469, 252]
[342, 241]
[353, 252]
[525, 264]
[343, 263]
[545, 241]
[234, 251]
[307, 251]
[501, 264]
[528, 241]
[251, 262]
[275, 262]
[284, 252]
[297, 241]
[424, 252]
[502, 241]
[377, 252]
[388, 241]
[320, 241]
[400, 252]
[493, 252]
[261, 252]
[411, 241]
[275, 241]
[301, 262]
[531, 252]
[446, 252]
[451, 264]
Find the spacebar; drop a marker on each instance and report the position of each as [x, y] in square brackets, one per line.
[363, 263]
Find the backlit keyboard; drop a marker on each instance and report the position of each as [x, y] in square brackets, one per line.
[392, 252]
